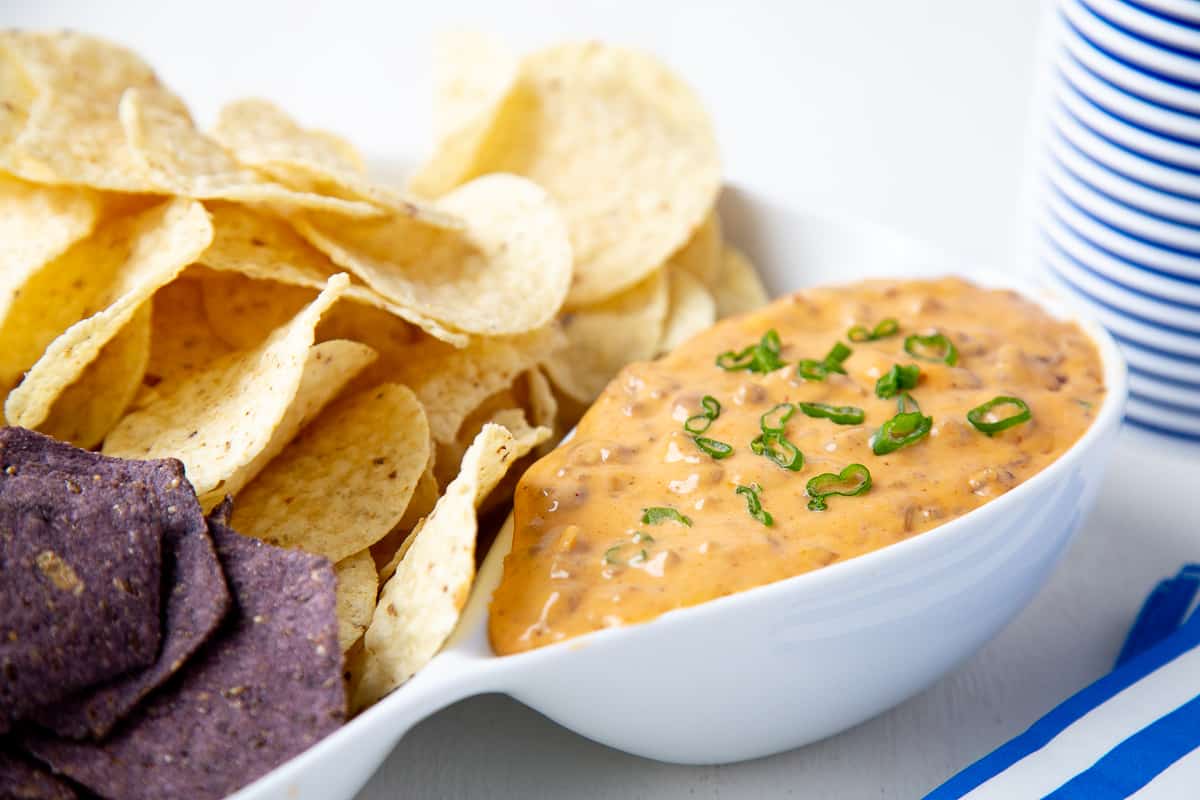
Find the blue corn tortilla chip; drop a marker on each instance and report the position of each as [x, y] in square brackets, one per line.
[23, 780]
[266, 687]
[196, 596]
[80, 583]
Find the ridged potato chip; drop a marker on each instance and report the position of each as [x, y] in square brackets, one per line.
[738, 288]
[220, 419]
[703, 255]
[607, 336]
[690, 309]
[623, 146]
[357, 588]
[474, 74]
[506, 272]
[420, 604]
[260, 135]
[87, 410]
[345, 480]
[140, 257]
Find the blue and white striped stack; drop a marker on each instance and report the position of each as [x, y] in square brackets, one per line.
[1120, 213]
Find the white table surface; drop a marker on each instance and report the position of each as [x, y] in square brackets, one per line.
[909, 114]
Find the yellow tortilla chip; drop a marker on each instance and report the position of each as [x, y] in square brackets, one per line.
[703, 255]
[181, 160]
[18, 93]
[738, 289]
[421, 603]
[690, 309]
[260, 135]
[543, 408]
[243, 312]
[181, 341]
[474, 74]
[623, 146]
[70, 132]
[265, 248]
[357, 588]
[37, 225]
[388, 551]
[89, 408]
[218, 421]
[506, 272]
[607, 336]
[345, 481]
[452, 383]
[156, 246]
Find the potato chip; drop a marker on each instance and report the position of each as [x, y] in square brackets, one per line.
[474, 74]
[703, 255]
[71, 133]
[219, 420]
[690, 309]
[738, 289]
[89, 408]
[420, 604]
[37, 225]
[506, 273]
[452, 383]
[622, 145]
[180, 160]
[607, 336]
[260, 135]
[262, 247]
[139, 259]
[182, 342]
[357, 588]
[345, 480]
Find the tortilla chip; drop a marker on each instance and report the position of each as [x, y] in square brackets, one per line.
[690, 310]
[346, 480]
[265, 688]
[607, 336]
[474, 74]
[89, 408]
[80, 577]
[703, 255]
[622, 145]
[452, 383]
[739, 288]
[421, 603]
[222, 418]
[244, 312]
[506, 273]
[134, 257]
[542, 406]
[180, 160]
[21, 779]
[260, 135]
[357, 588]
[182, 342]
[386, 552]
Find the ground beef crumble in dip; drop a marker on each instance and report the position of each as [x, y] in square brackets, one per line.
[587, 555]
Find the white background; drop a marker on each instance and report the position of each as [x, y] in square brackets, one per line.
[911, 114]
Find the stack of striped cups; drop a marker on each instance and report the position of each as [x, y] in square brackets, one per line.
[1118, 212]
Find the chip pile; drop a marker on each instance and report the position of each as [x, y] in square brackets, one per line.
[358, 365]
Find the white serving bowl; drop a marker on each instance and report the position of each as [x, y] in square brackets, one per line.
[781, 665]
[1134, 277]
[1139, 82]
[1147, 55]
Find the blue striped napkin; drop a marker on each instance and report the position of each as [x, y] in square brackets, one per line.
[1135, 733]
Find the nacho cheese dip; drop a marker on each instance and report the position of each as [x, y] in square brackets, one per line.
[641, 512]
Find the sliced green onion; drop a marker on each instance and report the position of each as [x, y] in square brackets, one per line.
[897, 379]
[714, 448]
[642, 536]
[977, 416]
[698, 423]
[842, 415]
[885, 328]
[836, 355]
[774, 420]
[657, 514]
[906, 402]
[826, 485]
[811, 370]
[762, 357]
[754, 505]
[610, 555]
[934, 347]
[777, 448]
[900, 431]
